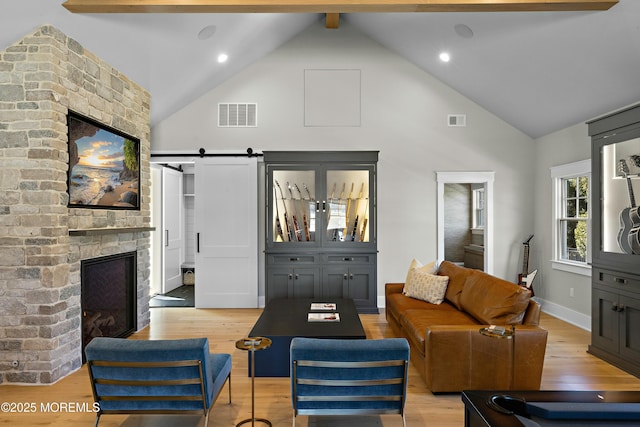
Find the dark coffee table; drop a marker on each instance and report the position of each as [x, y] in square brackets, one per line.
[284, 319]
[570, 408]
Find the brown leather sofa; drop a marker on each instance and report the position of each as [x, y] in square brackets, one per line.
[446, 345]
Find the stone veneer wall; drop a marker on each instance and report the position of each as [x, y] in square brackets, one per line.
[41, 78]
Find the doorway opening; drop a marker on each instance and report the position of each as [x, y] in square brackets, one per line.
[465, 218]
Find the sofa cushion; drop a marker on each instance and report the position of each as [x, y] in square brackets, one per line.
[430, 268]
[494, 301]
[415, 322]
[396, 304]
[426, 287]
[457, 278]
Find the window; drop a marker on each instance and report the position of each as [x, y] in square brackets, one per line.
[572, 217]
[478, 208]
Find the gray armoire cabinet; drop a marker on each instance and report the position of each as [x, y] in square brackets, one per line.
[321, 226]
[615, 328]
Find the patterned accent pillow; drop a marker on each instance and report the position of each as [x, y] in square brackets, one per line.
[431, 268]
[426, 287]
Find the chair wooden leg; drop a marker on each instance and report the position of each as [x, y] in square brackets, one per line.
[229, 379]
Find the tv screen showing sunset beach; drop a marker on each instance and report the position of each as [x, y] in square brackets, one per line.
[103, 166]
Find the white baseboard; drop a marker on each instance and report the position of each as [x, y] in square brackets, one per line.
[578, 319]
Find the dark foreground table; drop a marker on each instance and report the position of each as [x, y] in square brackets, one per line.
[284, 319]
[555, 408]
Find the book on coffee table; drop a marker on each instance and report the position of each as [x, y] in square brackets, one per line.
[323, 317]
[323, 306]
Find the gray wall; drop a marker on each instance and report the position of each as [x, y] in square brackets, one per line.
[403, 115]
[457, 220]
[553, 286]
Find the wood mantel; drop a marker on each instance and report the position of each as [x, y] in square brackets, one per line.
[330, 6]
[108, 230]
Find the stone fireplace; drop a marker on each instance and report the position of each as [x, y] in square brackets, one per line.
[42, 241]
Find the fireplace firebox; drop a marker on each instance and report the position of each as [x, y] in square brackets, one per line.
[108, 286]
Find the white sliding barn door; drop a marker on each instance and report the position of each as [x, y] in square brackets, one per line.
[226, 218]
[172, 229]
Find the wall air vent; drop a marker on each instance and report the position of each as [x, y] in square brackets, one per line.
[457, 120]
[237, 115]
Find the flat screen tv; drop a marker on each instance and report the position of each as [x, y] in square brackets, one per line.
[104, 166]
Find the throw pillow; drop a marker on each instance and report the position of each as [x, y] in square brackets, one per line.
[430, 268]
[426, 287]
[494, 301]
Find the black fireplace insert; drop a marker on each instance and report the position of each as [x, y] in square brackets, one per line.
[108, 296]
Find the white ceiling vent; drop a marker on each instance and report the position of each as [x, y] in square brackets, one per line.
[237, 115]
[457, 120]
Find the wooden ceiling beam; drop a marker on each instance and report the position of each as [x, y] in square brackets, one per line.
[332, 20]
[330, 6]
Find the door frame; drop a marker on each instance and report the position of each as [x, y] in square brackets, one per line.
[484, 178]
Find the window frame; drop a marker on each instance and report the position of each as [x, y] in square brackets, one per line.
[478, 198]
[558, 176]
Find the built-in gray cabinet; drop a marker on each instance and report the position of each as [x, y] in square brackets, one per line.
[615, 328]
[321, 226]
[615, 335]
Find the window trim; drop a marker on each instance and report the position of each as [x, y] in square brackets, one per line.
[474, 208]
[558, 173]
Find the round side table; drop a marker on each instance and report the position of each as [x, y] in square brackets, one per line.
[253, 344]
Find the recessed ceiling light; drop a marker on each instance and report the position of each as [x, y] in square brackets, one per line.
[445, 57]
[207, 32]
[222, 58]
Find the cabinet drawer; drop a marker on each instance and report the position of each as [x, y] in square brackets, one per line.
[293, 258]
[350, 259]
[617, 280]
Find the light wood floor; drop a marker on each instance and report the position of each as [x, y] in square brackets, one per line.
[567, 367]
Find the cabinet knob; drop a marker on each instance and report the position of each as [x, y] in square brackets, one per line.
[345, 277]
[620, 280]
[294, 259]
[351, 277]
[290, 276]
[297, 276]
[614, 307]
[620, 308]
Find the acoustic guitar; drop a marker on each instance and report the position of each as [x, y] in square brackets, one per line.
[628, 235]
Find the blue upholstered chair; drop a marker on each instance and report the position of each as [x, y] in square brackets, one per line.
[349, 377]
[161, 376]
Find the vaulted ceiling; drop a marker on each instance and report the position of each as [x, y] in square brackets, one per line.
[538, 71]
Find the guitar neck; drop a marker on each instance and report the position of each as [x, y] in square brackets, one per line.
[525, 260]
[632, 198]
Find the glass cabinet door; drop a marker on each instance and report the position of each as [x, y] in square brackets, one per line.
[347, 206]
[293, 206]
[620, 226]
